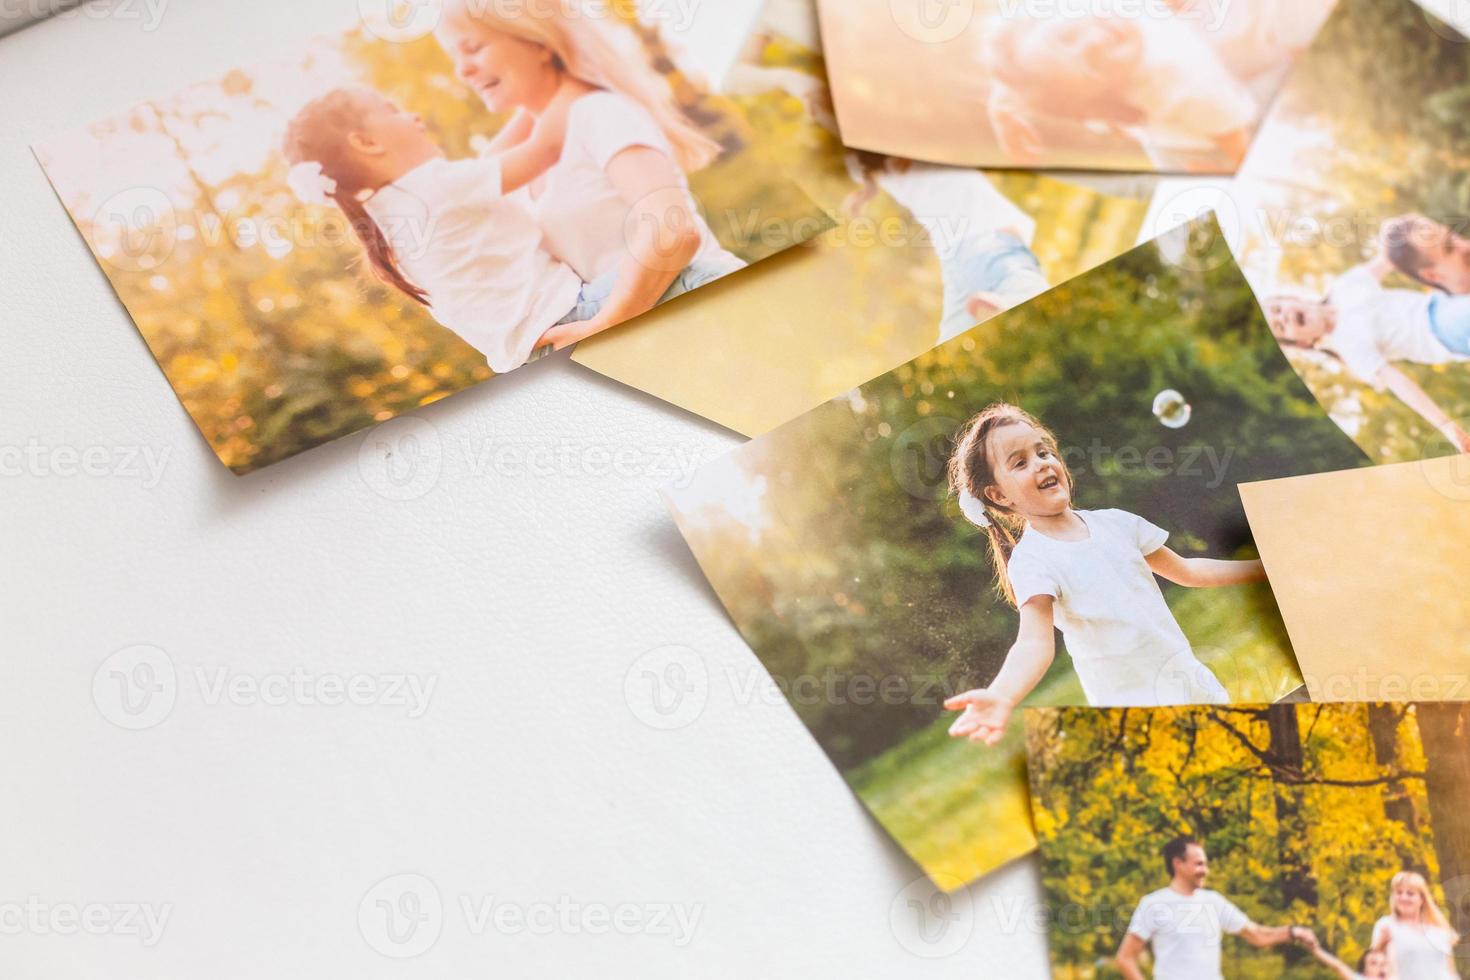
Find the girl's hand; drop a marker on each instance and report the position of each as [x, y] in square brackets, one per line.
[565, 335]
[985, 716]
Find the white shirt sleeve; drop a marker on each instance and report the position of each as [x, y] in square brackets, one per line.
[1144, 923]
[1232, 920]
[1030, 578]
[607, 124]
[1146, 536]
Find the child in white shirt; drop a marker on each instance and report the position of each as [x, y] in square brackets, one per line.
[1089, 573]
[1369, 328]
[1156, 79]
[449, 234]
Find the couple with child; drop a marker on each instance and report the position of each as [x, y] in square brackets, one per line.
[1372, 329]
[1184, 924]
[578, 216]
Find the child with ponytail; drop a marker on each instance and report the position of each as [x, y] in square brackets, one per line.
[444, 233]
[1088, 573]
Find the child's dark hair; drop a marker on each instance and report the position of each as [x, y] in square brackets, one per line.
[1405, 253]
[972, 472]
[319, 134]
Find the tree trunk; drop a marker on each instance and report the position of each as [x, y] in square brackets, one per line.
[1444, 729]
[1285, 759]
[1398, 805]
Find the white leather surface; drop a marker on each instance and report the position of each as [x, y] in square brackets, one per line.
[527, 598]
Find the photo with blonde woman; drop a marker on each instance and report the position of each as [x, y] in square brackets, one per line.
[320, 243]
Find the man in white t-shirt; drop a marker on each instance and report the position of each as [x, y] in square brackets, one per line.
[1186, 922]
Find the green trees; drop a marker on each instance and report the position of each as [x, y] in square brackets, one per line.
[1301, 814]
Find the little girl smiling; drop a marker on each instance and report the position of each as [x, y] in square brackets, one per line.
[1090, 574]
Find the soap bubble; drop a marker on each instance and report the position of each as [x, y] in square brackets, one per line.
[1172, 410]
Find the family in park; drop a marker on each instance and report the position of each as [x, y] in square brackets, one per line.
[1090, 573]
[1183, 926]
[1187, 81]
[1372, 329]
[576, 218]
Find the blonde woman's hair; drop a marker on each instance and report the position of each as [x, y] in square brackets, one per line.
[972, 472]
[1429, 910]
[596, 54]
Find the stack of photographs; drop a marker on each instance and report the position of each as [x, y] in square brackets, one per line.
[1141, 553]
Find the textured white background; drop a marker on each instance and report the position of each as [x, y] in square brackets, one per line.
[531, 777]
[530, 600]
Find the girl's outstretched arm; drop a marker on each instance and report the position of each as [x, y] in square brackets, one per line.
[539, 151]
[1409, 392]
[987, 711]
[1204, 573]
[1331, 962]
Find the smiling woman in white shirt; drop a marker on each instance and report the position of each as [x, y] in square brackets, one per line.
[616, 208]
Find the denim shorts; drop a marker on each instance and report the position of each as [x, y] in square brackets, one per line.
[595, 294]
[999, 263]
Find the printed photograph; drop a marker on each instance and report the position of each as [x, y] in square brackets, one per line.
[1172, 86]
[1354, 203]
[1301, 842]
[321, 243]
[920, 254]
[1041, 511]
[1374, 607]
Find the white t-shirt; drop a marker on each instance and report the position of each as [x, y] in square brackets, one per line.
[1376, 326]
[479, 256]
[953, 204]
[1125, 644]
[581, 212]
[1417, 953]
[1187, 93]
[1185, 932]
